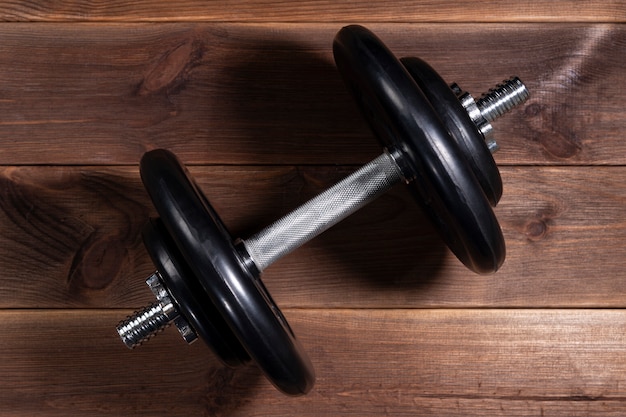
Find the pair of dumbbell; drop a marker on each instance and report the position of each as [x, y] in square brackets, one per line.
[437, 139]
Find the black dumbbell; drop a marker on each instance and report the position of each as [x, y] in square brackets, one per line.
[437, 140]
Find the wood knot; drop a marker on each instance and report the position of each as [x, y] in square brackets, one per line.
[536, 229]
[533, 110]
[97, 263]
[172, 69]
[226, 389]
[554, 129]
[560, 146]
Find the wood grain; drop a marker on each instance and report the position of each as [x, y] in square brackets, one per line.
[413, 362]
[248, 95]
[315, 11]
[269, 93]
[70, 237]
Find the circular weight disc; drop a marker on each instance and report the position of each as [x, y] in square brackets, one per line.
[405, 122]
[238, 295]
[460, 126]
[189, 296]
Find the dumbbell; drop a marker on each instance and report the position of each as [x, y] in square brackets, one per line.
[436, 138]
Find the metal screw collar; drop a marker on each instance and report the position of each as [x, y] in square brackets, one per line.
[493, 104]
[146, 323]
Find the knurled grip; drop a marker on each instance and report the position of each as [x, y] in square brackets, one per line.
[323, 211]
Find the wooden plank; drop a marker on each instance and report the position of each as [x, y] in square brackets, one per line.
[368, 362]
[316, 11]
[270, 94]
[70, 237]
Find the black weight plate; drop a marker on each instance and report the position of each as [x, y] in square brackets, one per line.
[190, 298]
[459, 124]
[236, 292]
[404, 121]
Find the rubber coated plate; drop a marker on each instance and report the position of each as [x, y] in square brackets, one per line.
[405, 122]
[238, 295]
[459, 125]
[189, 296]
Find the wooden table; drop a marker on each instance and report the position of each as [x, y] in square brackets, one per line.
[247, 94]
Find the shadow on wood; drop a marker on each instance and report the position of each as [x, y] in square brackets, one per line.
[297, 104]
[81, 367]
[295, 82]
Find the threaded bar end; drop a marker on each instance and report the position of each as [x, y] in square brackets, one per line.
[502, 98]
[142, 325]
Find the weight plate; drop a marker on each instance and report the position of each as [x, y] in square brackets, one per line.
[459, 125]
[405, 122]
[190, 298]
[239, 295]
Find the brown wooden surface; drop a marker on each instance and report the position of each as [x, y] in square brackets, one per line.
[247, 93]
[369, 363]
[87, 251]
[315, 11]
[269, 93]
